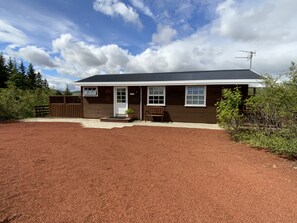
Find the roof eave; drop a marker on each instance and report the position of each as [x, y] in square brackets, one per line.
[254, 82]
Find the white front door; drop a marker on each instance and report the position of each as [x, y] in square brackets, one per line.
[120, 101]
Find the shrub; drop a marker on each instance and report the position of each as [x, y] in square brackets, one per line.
[228, 112]
[17, 104]
[272, 115]
[129, 111]
[274, 142]
[273, 108]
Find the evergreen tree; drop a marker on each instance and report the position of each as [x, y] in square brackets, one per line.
[32, 78]
[38, 80]
[45, 84]
[67, 91]
[11, 66]
[3, 72]
[58, 92]
[13, 75]
[21, 80]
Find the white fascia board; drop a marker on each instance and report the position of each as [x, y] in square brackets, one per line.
[172, 83]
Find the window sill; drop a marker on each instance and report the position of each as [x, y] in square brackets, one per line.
[199, 106]
[90, 96]
[155, 105]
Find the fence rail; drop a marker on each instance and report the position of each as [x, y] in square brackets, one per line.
[65, 106]
[41, 111]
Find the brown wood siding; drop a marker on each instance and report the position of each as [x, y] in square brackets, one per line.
[66, 110]
[175, 100]
[65, 106]
[134, 100]
[100, 106]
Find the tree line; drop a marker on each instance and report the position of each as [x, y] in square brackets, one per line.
[16, 74]
[21, 89]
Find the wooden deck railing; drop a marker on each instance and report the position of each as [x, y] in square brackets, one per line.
[66, 106]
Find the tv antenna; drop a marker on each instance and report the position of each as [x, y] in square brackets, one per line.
[249, 57]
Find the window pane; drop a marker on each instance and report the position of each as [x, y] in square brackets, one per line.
[156, 95]
[90, 91]
[195, 91]
[195, 95]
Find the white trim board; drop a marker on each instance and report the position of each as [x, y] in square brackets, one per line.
[252, 82]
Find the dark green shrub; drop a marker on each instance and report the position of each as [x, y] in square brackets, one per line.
[228, 112]
[17, 104]
[274, 142]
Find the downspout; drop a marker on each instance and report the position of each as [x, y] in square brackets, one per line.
[140, 110]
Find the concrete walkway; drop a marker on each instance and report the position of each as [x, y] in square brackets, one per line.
[96, 123]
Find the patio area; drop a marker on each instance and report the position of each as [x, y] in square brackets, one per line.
[96, 123]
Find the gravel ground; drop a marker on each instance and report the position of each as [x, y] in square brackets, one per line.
[61, 172]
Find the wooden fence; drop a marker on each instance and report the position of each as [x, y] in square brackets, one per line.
[65, 106]
[41, 111]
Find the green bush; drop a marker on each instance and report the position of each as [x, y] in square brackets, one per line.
[228, 113]
[274, 142]
[17, 104]
[273, 107]
[272, 115]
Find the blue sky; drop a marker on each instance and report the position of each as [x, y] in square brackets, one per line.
[68, 40]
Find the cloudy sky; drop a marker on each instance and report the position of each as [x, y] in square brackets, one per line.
[71, 39]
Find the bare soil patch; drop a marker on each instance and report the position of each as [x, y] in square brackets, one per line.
[61, 172]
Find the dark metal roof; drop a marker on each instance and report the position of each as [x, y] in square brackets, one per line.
[175, 76]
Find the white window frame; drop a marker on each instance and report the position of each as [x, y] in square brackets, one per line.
[148, 94]
[195, 105]
[90, 95]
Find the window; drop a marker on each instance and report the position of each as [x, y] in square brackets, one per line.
[156, 95]
[90, 91]
[195, 96]
[121, 95]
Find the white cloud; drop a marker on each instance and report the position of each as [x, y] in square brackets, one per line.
[192, 53]
[164, 35]
[78, 52]
[253, 20]
[60, 83]
[10, 34]
[140, 5]
[37, 56]
[80, 59]
[117, 8]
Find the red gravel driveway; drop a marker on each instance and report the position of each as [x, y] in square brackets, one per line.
[61, 172]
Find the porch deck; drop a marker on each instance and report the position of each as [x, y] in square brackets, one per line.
[116, 119]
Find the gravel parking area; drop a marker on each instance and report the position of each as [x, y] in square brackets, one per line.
[61, 172]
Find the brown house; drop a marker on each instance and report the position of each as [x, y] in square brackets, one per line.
[185, 96]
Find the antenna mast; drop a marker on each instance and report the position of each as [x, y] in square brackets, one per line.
[249, 57]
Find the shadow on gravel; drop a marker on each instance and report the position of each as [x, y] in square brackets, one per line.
[9, 219]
